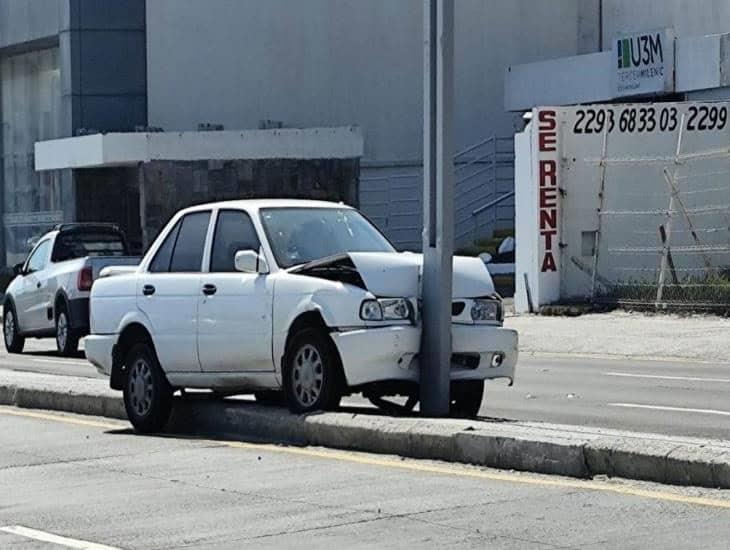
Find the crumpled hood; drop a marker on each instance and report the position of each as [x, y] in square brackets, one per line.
[389, 274]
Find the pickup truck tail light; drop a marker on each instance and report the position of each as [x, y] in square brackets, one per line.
[85, 279]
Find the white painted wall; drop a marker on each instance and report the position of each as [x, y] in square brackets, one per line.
[124, 149]
[344, 62]
[634, 200]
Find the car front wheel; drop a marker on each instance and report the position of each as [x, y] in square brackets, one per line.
[312, 379]
[14, 342]
[147, 394]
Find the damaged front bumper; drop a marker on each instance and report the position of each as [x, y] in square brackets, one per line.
[480, 352]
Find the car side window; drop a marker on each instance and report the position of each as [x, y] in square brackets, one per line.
[39, 258]
[189, 247]
[161, 262]
[234, 231]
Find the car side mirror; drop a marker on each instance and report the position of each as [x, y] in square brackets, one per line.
[18, 269]
[250, 261]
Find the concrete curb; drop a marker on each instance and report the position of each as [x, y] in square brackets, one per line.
[543, 448]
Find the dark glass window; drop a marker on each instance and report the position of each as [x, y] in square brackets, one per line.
[82, 243]
[161, 262]
[234, 231]
[188, 253]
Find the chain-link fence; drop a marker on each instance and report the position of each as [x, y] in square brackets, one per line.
[663, 237]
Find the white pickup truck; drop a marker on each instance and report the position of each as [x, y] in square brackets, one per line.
[306, 297]
[49, 297]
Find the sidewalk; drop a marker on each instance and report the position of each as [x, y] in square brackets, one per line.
[621, 333]
[527, 446]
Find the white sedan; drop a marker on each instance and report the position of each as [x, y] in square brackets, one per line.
[306, 298]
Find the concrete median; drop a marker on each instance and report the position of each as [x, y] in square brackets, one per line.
[543, 448]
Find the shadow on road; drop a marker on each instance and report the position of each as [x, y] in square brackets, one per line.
[54, 354]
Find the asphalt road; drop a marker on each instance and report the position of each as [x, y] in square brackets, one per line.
[676, 398]
[68, 481]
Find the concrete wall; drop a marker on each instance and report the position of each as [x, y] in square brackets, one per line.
[341, 62]
[687, 17]
[27, 21]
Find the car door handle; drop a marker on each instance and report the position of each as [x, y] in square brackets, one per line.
[148, 290]
[38, 284]
[209, 289]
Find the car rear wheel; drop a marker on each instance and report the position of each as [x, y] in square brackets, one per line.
[147, 394]
[67, 341]
[312, 373]
[14, 342]
[466, 398]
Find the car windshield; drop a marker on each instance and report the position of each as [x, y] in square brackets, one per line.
[301, 235]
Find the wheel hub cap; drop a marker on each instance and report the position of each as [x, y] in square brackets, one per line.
[308, 375]
[62, 331]
[9, 326]
[140, 387]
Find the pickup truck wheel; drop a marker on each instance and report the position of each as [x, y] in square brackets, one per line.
[311, 373]
[14, 342]
[147, 394]
[67, 341]
[466, 398]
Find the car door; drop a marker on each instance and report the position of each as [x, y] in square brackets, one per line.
[167, 293]
[32, 302]
[234, 308]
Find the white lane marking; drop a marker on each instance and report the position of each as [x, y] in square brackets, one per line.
[664, 377]
[42, 536]
[671, 409]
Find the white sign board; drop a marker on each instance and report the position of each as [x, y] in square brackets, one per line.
[573, 162]
[644, 63]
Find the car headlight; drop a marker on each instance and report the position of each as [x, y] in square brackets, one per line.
[385, 309]
[486, 310]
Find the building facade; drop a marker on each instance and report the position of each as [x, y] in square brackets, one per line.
[74, 67]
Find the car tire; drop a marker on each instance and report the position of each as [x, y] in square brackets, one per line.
[466, 398]
[270, 398]
[67, 340]
[147, 393]
[312, 376]
[14, 342]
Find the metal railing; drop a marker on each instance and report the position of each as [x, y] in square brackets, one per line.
[488, 207]
[484, 174]
[485, 178]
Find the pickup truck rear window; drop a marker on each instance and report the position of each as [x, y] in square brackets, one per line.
[69, 246]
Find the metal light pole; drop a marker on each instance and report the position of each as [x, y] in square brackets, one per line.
[438, 205]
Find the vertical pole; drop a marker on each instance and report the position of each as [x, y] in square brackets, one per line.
[495, 183]
[601, 195]
[665, 253]
[438, 201]
[668, 225]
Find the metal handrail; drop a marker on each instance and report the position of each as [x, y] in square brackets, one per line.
[494, 202]
[482, 143]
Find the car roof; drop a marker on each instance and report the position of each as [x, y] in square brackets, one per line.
[253, 205]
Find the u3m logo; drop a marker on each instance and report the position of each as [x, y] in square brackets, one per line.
[640, 51]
